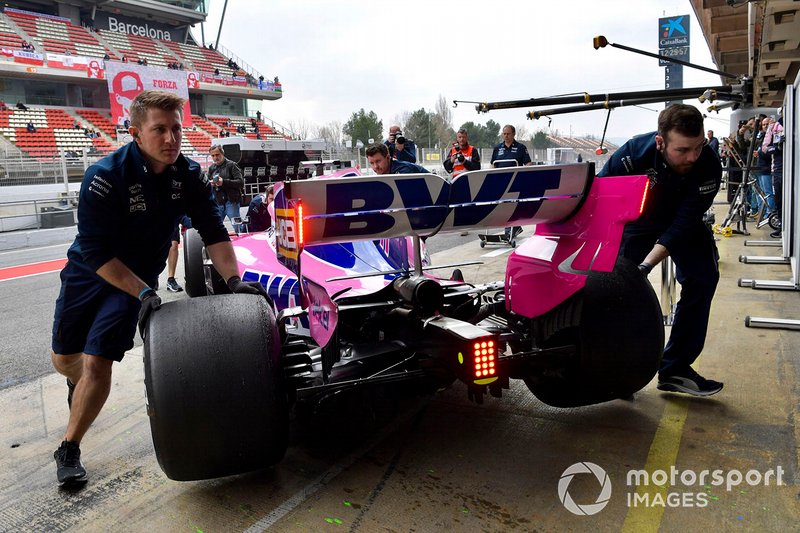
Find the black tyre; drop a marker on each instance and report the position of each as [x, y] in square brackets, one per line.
[775, 221]
[195, 271]
[193, 280]
[483, 244]
[616, 330]
[216, 395]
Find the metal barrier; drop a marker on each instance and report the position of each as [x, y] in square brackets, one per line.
[790, 211]
[39, 214]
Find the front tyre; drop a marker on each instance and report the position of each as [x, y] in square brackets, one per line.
[215, 390]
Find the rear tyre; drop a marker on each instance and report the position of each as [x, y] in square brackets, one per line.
[616, 332]
[216, 394]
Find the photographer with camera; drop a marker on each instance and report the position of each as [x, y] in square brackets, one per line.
[463, 156]
[401, 148]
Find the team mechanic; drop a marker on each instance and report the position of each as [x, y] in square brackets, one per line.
[130, 204]
[684, 178]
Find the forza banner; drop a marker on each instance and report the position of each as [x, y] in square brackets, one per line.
[126, 81]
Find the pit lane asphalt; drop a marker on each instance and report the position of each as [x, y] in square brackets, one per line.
[429, 464]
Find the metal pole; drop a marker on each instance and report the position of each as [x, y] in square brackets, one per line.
[64, 172]
[224, 7]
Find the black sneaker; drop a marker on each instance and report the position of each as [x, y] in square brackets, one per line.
[690, 382]
[68, 463]
[775, 234]
[172, 285]
[70, 391]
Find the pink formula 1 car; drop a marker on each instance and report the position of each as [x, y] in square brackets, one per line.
[355, 304]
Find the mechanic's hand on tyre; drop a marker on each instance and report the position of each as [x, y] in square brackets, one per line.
[645, 268]
[151, 301]
[237, 286]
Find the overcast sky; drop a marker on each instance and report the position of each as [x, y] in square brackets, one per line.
[392, 57]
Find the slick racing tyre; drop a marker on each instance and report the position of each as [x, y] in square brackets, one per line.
[194, 270]
[611, 334]
[193, 280]
[215, 389]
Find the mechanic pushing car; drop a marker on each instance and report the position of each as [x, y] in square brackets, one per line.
[130, 204]
[684, 178]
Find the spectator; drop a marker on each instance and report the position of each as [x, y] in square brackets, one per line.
[124, 59]
[684, 178]
[257, 211]
[399, 147]
[22, 106]
[172, 257]
[258, 136]
[126, 123]
[216, 72]
[30, 127]
[381, 163]
[258, 113]
[75, 125]
[3, 106]
[502, 155]
[463, 156]
[122, 243]
[713, 142]
[106, 57]
[222, 133]
[774, 139]
[226, 177]
[763, 169]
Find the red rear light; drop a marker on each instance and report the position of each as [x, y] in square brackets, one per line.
[644, 196]
[300, 238]
[485, 358]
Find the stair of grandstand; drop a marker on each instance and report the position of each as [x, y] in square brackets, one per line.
[135, 48]
[100, 120]
[54, 132]
[195, 143]
[209, 127]
[9, 38]
[201, 59]
[58, 35]
[265, 131]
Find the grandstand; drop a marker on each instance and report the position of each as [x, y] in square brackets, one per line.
[52, 75]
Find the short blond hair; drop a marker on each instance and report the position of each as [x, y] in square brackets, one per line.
[147, 100]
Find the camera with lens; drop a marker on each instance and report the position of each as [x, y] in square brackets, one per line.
[459, 155]
[399, 138]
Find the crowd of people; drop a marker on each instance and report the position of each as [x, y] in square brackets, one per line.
[757, 142]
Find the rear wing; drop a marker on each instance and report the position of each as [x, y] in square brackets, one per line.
[395, 205]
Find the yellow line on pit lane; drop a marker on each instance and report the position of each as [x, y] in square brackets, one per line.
[662, 455]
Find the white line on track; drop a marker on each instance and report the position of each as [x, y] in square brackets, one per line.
[326, 477]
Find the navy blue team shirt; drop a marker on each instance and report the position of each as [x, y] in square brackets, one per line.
[128, 212]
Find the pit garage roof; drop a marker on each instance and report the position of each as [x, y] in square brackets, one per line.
[760, 39]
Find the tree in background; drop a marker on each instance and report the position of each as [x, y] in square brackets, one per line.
[482, 136]
[443, 124]
[420, 128]
[300, 128]
[540, 140]
[362, 126]
[331, 133]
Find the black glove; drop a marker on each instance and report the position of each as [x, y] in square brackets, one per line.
[150, 302]
[645, 268]
[237, 286]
